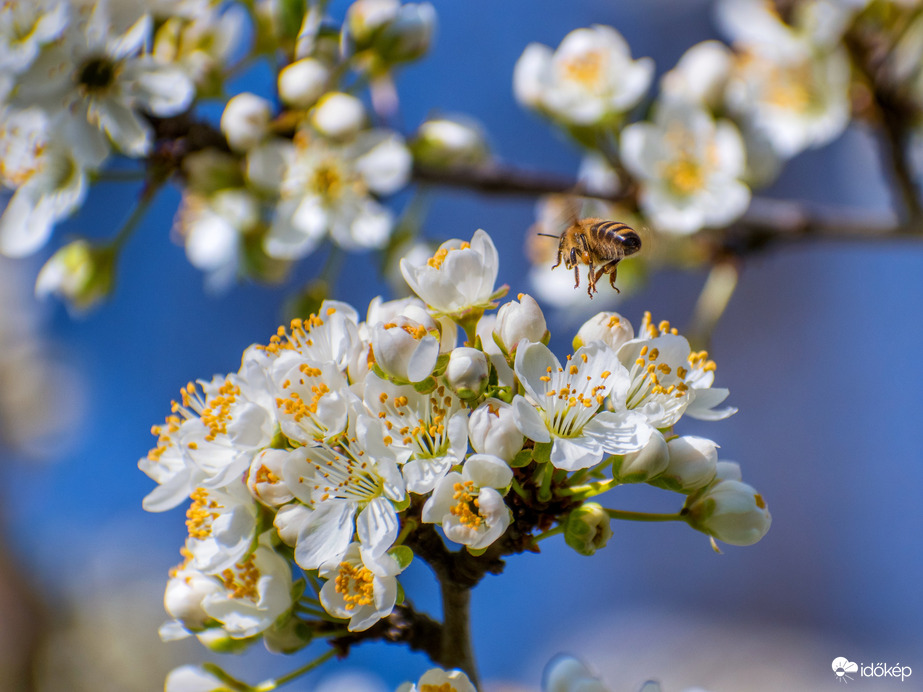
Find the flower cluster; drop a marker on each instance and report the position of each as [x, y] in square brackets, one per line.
[725, 118]
[339, 445]
[282, 171]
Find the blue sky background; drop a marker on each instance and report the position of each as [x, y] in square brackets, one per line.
[820, 347]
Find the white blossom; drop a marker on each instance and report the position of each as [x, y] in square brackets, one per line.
[468, 505]
[492, 430]
[328, 188]
[520, 320]
[587, 80]
[689, 168]
[566, 401]
[302, 82]
[360, 587]
[458, 277]
[467, 371]
[442, 680]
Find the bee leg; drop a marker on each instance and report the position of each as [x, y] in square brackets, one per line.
[559, 258]
[573, 263]
[590, 277]
[612, 269]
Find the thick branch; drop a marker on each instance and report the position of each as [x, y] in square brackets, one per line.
[403, 626]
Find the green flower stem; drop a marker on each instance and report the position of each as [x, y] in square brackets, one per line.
[583, 492]
[516, 488]
[549, 533]
[297, 673]
[643, 516]
[545, 473]
[232, 682]
[148, 192]
[409, 526]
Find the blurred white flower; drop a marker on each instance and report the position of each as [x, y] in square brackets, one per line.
[79, 273]
[245, 121]
[442, 680]
[25, 27]
[689, 168]
[338, 116]
[45, 162]
[589, 78]
[700, 76]
[450, 141]
[213, 227]
[101, 79]
[327, 188]
[790, 82]
[302, 82]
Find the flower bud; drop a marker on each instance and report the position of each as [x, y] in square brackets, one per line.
[404, 349]
[338, 115]
[609, 327]
[365, 18]
[265, 478]
[79, 273]
[693, 464]
[492, 430]
[409, 35]
[517, 321]
[445, 142]
[647, 463]
[467, 372]
[587, 529]
[183, 597]
[303, 82]
[245, 121]
[730, 511]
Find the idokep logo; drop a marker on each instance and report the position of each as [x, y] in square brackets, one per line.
[842, 667]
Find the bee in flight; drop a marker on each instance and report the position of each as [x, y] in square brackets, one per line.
[599, 244]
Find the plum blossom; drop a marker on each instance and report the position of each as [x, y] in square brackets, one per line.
[689, 168]
[565, 402]
[589, 78]
[468, 505]
[460, 276]
[360, 587]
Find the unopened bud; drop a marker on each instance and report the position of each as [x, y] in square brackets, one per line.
[338, 115]
[245, 121]
[517, 321]
[647, 463]
[693, 464]
[467, 372]
[492, 430]
[587, 529]
[404, 349]
[445, 142]
[730, 511]
[79, 273]
[303, 82]
[609, 327]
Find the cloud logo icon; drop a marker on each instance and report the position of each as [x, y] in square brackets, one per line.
[841, 666]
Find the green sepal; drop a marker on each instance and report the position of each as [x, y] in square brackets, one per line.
[499, 293]
[298, 589]
[279, 440]
[403, 555]
[500, 345]
[401, 505]
[400, 595]
[476, 552]
[291, 16]
[442, 361]
[542, 452]
[522, 458]
[425, 386]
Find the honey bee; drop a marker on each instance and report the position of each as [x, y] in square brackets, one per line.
[599, 244]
